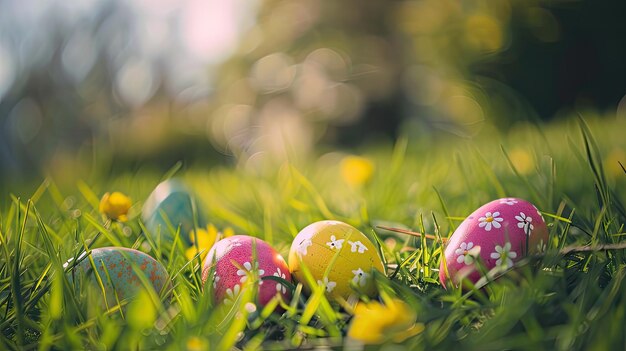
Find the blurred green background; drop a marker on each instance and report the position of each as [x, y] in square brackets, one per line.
[101, 86]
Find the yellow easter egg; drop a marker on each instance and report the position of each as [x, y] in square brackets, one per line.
[338, 256]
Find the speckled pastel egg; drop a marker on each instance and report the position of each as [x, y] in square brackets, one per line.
[114, 265]
[500, 232]
[337, 255]
[173, 201]
[234, 260]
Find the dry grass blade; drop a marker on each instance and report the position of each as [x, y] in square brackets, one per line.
[592, 248]
[409, 232]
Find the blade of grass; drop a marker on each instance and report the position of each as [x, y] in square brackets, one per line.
[172, 171]
[489, 173]
[115, 241]
[16, 287]
[533, 190]
[465, 176]
[445, 210]
[88, 194]
[312, 191]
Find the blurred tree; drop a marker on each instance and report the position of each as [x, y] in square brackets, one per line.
[309, 72]
[568, 54]
[143, 82]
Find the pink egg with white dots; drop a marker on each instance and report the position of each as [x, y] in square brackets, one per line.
[498, 234]
[235, 260]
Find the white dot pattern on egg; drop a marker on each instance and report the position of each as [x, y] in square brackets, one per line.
[498, 233]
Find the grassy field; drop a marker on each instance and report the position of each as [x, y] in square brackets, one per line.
[563, 300]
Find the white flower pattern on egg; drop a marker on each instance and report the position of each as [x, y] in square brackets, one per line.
[247, 266]
[231, 295]
[329, 285]
[280, 286]
[360, 277]
[357, 246]
[525, 222]
[335, 243]
[302, 248]
[490, 220]
[356, 252]
[243, 273]
[464, 254]
[509, 201]
[507, 229]
[504, 255]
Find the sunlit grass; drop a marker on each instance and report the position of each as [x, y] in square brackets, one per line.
[557, 301]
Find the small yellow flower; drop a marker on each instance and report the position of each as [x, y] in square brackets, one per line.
[522, 160]
[115, 206]
[356, 170]
[205, 239]
[194, 343]
[375, 323]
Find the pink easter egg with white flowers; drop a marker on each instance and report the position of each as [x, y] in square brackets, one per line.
[498, 234]
[236, 259]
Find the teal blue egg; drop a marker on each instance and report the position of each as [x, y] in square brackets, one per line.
[172, 205]
[121, 270]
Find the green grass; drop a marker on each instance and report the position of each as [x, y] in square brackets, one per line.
[563, 300]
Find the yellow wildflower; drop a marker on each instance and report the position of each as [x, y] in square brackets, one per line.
[205, 239]
[375, 323]
[115, 206]
[522, 160]
[356, 170]
[194, 343]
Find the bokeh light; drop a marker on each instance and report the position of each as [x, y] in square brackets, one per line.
[162, 81]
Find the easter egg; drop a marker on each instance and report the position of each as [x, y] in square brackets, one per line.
[337, 256]
[119, 269]
[498, 234]
[234, 260]
[171, 202]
